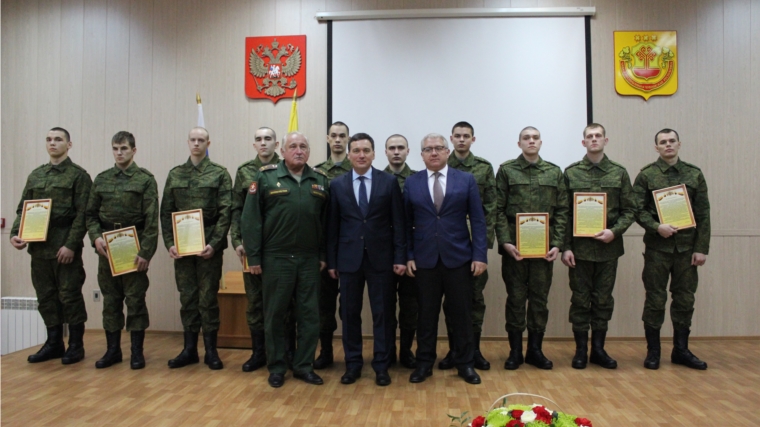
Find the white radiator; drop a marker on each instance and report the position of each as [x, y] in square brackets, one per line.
[21, 325]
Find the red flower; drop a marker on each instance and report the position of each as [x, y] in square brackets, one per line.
[516, 413]
[542, 414]
[515, 423]
[583, 422]
[478, 421]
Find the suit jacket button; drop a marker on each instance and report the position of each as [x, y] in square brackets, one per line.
[362, 237]
[365, 221]
[438, 217]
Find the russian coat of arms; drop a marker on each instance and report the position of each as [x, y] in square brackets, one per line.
[275, 67]
[646, 63]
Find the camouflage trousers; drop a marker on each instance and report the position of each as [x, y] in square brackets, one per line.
[406, 289]
[592, 303]
[527, 281]
[59, 290]
[659, 267]
[478, 304]
[198, 285]
[328, 303]
[128, 288]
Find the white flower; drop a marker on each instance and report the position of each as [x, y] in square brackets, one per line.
[528, 416]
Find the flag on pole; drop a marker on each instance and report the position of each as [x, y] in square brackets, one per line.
[201, 121]
[293, 124]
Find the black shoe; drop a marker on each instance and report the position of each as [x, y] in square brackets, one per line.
[681, 354]
[258, 354]
[598, 355]
[309, 377]
[351, 376]
[534, 355]
[447, 362]
[469, 375]
[652, 360]
[53, 347]
[211, 358]
[420, 374]
[113, 350]
[479, 361]
[137, 361]
[405, 355]
[580, 360]
[515, 358]
[75, 352]
[189, 353]
[276, 380]
[325, 358]
[382, 378]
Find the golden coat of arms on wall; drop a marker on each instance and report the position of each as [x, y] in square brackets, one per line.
[646, 63]
[275, 67]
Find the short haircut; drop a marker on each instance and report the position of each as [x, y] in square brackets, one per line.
[339, 124]
[666, 130]
[463, 125]
[397, 135]
[359, 137]
[594, 125]
[208, 136]
[65, 132]
[274, 134]
[290, 135]
[123, 136]
[519, 137]
[434, 136]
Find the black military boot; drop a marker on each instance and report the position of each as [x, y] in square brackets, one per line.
[598, 355]
[480, 362]
[653, 348]
[405, 354]
[211, 358]
[137, 361]
[581, 349]
[113, 350]
[75, 352]
[325, 358]
[515, 358]
[681, 354]
[534, 355]
[189, 354]
[258, 352]
[53, 348]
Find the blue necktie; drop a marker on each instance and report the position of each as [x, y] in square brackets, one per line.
[363, 201]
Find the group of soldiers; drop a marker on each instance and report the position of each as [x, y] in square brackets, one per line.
[276, 216]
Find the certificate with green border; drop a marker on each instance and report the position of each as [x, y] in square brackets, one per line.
[189, 237]
[35, 219]
[123, 246]
[532, 234]
[674, 207]
[589, 214]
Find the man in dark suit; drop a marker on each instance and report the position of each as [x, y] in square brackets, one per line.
[442, 255]
[366, 242]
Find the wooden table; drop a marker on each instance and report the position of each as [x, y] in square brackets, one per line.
[233, 330]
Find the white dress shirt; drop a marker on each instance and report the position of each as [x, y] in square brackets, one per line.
[357, 182]
[442, 179]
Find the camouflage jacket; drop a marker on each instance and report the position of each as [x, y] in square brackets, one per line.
[331, 170]
[246, 174]
[484, 176]
[401, 176]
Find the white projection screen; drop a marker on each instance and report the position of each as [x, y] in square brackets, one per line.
[417, 76]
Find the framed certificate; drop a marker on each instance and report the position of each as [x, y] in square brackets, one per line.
[123, 246]
[35, 219]
[532, 234]
[189, 237]
[674, 207]
[589, 214]
[246, 267]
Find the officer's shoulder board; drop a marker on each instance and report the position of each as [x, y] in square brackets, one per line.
[320, 165]
[320, 171]
[268, 168]
[691, 165]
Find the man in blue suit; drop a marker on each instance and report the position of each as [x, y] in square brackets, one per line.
[366, 242]
[442, 255]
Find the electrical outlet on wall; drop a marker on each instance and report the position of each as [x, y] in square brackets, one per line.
[96, 295]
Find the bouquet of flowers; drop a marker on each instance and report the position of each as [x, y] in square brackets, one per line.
[515, 415]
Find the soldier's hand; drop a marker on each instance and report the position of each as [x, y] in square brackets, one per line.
[478, 268]
[399, 269]
[100, 246]
[207, 253]
[142, 263]
[568, 258]
[255, 269]
[698, 259]
[605, 236]
[552, 254]
[333, 273]
[65, 255]
[173, 253]
[512, 251]
[240, 251]
[18, 243]
[666, 230]
[411, 267]
[322, 265]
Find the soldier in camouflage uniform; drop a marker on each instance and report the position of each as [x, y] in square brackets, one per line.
[528, 184]
[199, 183]
[462, 138]
[57, 270]
[123, 196]
[337, 164]
[283, 227]
[671, 253]
[593, 260]
[397, 150]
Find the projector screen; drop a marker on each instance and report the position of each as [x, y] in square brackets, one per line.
[417, 76]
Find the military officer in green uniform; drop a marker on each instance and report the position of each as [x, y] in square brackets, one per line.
[397, 150]
[528, 184]
[199, 183]
[57, 270]
[593, 260]
[337, 164]
[123, 196]
[462, 138]
[283, 227]
[671, 253]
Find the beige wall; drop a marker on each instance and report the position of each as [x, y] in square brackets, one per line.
[99, 66]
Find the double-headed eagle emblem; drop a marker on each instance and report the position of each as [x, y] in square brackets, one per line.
[275, 76]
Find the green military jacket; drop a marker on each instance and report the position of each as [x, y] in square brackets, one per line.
[122, 198]
[208, 187]
[659, 175]
[606, 177]
[483, 172]
[68, 185]
[523, 187]
[331, 170]
[246, 174]
[283, 217]
[401, 176]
